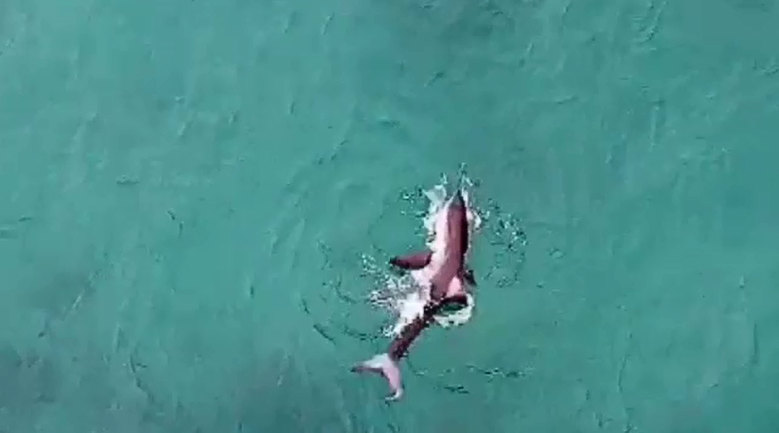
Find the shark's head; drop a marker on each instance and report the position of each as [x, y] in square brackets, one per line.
[457, 204]
[453, 225]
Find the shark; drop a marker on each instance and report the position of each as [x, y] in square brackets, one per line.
[443, 272]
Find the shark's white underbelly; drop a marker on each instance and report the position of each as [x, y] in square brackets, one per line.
[438, 246]
[424, 276]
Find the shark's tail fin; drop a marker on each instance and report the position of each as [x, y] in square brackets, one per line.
[387, 367]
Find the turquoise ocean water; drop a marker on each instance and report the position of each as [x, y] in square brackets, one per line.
[192, 192]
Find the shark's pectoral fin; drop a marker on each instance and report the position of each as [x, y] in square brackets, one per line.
[412, 262]
[468, 276]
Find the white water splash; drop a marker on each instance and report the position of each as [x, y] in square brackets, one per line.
[406, 297]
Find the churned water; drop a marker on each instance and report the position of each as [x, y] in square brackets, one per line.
[198, 200]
